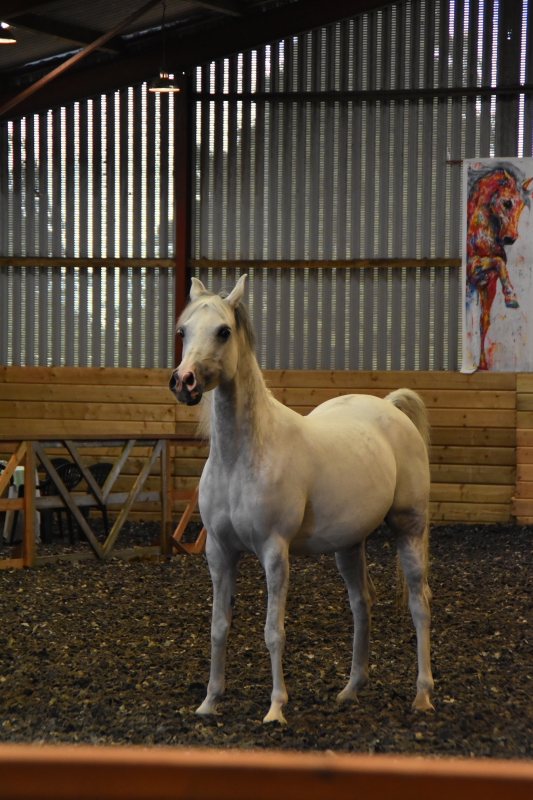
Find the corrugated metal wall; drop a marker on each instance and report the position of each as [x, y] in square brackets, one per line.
[94, 179]
[279, 174]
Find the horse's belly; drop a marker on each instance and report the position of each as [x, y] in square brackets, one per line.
[338, 531]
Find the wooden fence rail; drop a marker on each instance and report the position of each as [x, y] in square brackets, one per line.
[105, 773]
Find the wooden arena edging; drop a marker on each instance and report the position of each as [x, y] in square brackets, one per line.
[120, 773]
[476, 422]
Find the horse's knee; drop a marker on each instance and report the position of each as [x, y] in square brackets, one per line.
[274, 638]
[361, 605]
[219, 632]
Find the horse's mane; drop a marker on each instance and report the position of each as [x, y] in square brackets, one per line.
[242, 320]
[475, 175]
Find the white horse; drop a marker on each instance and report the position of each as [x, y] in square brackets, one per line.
[277, 483]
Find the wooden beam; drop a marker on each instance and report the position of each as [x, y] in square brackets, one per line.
[87, 474]
[166, 496]
[35, 23]
[119, 463]
[10, 8]
[19, 98]
[12, 504]
[182, 206]
[198, 546]
[354, 263]
[232, 36]
[65, 494]
[175, 539]
[223, 6]
[28, 542]
[137, 486]
[14, 461]
[62, 261]
[182, 229]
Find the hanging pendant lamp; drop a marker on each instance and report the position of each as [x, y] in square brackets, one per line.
[165, 82]
[5, 36]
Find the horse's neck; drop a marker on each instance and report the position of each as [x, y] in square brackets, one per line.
[240, 413]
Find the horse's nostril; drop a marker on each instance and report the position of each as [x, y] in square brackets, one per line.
[172, 382]
[189, 379]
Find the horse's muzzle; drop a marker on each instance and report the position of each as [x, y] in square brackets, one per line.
[186, 389]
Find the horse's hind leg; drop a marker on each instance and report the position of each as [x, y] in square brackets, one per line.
[352, 566]
[412, 535]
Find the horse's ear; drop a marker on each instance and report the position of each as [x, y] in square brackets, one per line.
[196, 289]
[237, 293]
[526, 183]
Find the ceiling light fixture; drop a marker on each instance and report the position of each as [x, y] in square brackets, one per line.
[5, 37]
[165, 82]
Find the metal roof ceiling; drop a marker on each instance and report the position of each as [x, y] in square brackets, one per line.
[48, 33]
[36, 74]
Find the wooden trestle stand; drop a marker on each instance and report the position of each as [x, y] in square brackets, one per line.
[28, 451]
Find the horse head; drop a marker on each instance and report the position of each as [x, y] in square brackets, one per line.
[506, 205]
[210, 327]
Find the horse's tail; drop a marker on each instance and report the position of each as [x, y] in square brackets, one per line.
[413, 407]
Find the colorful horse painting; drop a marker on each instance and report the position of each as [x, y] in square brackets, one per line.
[496, 199]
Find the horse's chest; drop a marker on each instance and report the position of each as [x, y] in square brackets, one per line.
[226, 500]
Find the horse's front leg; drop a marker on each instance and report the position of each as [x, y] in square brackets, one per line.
[511, 301]
[223, 569]
[275, 561]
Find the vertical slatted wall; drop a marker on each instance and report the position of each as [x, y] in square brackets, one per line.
[272, 179]
[94, 179]
[282, 178]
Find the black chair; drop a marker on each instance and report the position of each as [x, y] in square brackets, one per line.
[71, 476]
[59, 461]
[99, 471]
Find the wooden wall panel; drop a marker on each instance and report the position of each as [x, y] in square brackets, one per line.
[475, 442]
[522, 504]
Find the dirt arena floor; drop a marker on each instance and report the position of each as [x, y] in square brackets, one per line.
[119, 653]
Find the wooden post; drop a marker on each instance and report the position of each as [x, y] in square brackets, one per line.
[28, 547]
[182, 203]
[166, 498]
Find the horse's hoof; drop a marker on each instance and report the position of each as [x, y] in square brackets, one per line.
[422, 703]
[207, 708]
[511, 302]
[347, 696]
[275, 715]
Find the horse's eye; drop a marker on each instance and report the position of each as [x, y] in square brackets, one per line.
[224, 334]
[181, 333]
[508, 204]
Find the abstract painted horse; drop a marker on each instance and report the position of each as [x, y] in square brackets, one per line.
[277, 483]
[496, 198]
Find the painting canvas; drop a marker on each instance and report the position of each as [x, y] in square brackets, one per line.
[497, 274]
